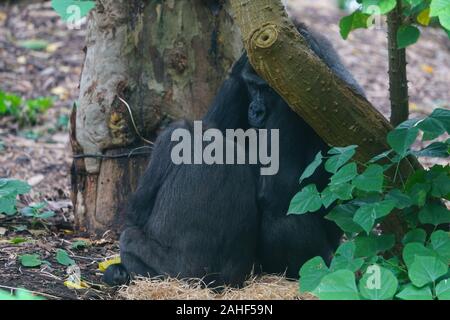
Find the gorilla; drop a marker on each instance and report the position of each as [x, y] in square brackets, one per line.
[194, 221]
[221, 222]
[287, 242]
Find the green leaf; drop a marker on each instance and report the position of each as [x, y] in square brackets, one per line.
[345, 258]
[439, 114]
[365, 200]
[406, 36]
[30, 260]
[441, 9]
[382, 6]
[27, 212]
[311, 169]
[328, 197]
[45, 215]
[307, 200]
[79, 244]
[415, 249]
[39, 205]
[401, 140]
[396, 267]
[402, 200]
[63, 258]
[414, 3]
[367, 246]
[344, 174]
[426, 270]
[339, 285]
[367, 215]
[18, 240]
[33, 44]
[431, 127]
[418, 193]
[339, 157]
[443, 290]
[312, 273]
[342, 215]
[440, 242]
[371, 180]
[66, 9]
[435, 214]
[8, 205]
[434, 150]
[342, 191]
[440, 184]
[14, 186]
[410, 292]
[408, 124]
[354, 21]
[415, 235]
[378, 283]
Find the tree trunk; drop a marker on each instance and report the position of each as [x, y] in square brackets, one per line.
[340, 116]
[166, 59]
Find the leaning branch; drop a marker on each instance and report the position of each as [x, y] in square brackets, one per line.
[339, 115]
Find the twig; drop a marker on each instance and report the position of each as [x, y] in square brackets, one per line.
[48, 274]
[134, 123]
[87, 258]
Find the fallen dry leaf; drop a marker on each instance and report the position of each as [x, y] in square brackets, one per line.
[61, 92]
[102, 266]
[35, 180]
[76, 285]
[427, 68]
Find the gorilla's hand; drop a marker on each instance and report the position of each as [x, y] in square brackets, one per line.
[116, 275]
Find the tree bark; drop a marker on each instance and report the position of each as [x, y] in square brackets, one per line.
[398, 82]
[340, 116]
[166, 59]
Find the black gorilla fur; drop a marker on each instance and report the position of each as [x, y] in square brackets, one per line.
[220, 222]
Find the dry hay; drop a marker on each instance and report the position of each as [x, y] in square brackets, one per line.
[268, 287]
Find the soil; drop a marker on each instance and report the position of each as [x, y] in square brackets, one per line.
[41, 154]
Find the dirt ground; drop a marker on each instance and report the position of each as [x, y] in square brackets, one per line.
[41, 154]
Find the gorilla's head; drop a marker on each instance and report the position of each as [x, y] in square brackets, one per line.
[263, 100]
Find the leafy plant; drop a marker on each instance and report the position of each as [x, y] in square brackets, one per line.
[403, 20]
[25, 112]
[363, 198]
[415, 14]
[37, 211]
[9, 190]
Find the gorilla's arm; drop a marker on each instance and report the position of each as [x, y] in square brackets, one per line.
[142, 201]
